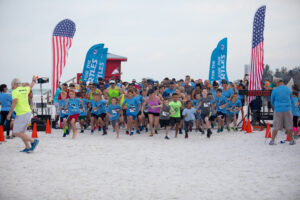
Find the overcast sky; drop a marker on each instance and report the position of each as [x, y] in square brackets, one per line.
[159, 38]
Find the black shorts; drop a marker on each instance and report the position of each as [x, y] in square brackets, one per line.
[203, 115]
[155, 114]
[139, 113]
[181, 116]
[295, 121]
[175, 120]
[212, 118]
[221, 114]
[243, 102]
[164, 122]
[124, 112]
[146, 115]
[102, 116]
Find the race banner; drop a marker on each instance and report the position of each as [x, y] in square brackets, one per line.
[92, 63]
[218, 62]
[102, 64]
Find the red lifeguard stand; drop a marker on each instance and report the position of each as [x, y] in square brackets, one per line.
[113, 67]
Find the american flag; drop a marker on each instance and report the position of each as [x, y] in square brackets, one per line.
[61, 42]
[257, 55]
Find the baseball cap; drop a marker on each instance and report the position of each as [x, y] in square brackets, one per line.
[112, 82]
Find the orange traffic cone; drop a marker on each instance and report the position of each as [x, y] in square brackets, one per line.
[34, 131]
[244, 127]
[2, 138]
[249, 129]
[287, 137]
[268, 131]
[48, 128]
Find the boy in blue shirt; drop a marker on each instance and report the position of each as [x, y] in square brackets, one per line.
[113, 113]
[73, 105]
[132, 109]
[221, 103]
[98, 112]
[233, 108]
[83, 114]
[189, 117]
[63, 113]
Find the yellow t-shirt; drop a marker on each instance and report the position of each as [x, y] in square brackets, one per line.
[21, 93]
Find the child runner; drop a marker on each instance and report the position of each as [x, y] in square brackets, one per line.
[63, 113]
[189, 117]
[205, 103]
[175, 116]
[234, 106]
[165, 116]
[221, 103]
[197, 104]
[98, 113]
[83, 114]
[154, 104]
[113, 112]
[73, 105]
[132, 109]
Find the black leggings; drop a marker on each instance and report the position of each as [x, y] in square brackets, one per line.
[3, 119]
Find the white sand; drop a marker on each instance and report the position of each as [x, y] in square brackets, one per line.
[227, 166]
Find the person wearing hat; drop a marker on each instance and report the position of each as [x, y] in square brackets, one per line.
[113, 91]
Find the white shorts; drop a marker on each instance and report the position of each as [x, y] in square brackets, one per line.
[21, 123]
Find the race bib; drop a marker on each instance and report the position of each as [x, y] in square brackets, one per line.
[206, 105]
[114, 111]
[81, 110]
[165, 114]
[64, 111]
[132, 109]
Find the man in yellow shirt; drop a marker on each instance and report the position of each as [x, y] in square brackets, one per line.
[23, 112]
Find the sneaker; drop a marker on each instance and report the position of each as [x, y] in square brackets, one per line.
[34, 144]
[191, 129]
[104, 131]
[222, 128]
[272, 142]
[219, 130]
[234, 129]
[138, 131]
[26, 150]
[127, 132]
[99, 128]
[155, 132]
[64, 135]
[67, 131]
[209, 133]
[92, 131]
[146, 130]
[180, 131]
[167, 138]
[292, 142]
[9, 137]
[131, 133]
[186, 136]
[228, 128]
[201, 130]
[82, 131]
[151, 134]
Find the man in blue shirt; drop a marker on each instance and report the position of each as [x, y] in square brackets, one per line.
[281, 99]
[5, 101]
[170, 90]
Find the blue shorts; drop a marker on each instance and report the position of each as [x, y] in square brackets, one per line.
[133, 115]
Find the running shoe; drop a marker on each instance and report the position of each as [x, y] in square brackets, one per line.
[209, 133]
[26, 150]
[82, 131]
[131, 133]
[272, 142]
[127, 132]
[167, 138]
[138, 131]
[146, 130]
[34, 144]
[155, 132]
[180, 131]
[292, 142]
